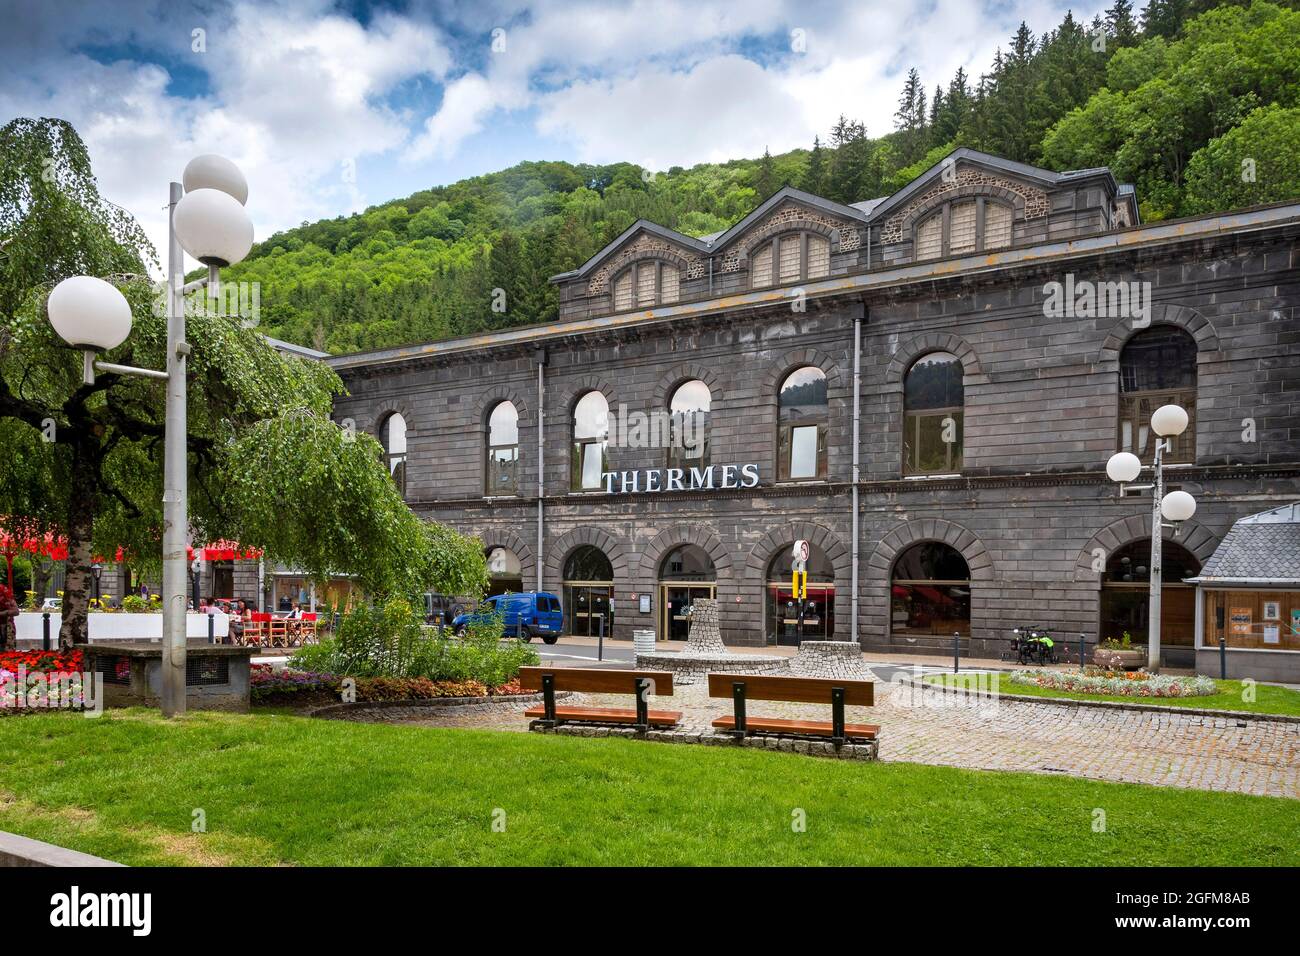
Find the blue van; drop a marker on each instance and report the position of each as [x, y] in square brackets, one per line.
[527, 614]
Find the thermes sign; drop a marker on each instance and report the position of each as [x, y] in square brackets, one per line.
[712, 478]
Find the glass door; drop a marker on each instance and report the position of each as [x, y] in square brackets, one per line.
[675, 602]
[589, 605]
[818, 615]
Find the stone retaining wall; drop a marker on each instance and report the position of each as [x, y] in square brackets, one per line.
[864, 750]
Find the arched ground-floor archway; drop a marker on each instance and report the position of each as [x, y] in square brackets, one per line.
[1126, 595]
[588, 592]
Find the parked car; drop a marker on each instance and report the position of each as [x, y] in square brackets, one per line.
[527, 614]
[438, 609]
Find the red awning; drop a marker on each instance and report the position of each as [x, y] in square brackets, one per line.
[227, 551]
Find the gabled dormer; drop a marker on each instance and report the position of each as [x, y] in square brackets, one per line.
[647, 266]
[790, 238]
[972, 202]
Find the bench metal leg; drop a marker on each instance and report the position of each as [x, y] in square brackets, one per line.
[548, 700]
[837, 716]
[738, 699]
[642, 706]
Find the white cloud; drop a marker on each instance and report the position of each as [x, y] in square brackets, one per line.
[300, 94]
[725, 107]
[466, 103]
[295, 99]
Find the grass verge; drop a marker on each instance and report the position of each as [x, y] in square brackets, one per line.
[1230, 696]
[278, 789]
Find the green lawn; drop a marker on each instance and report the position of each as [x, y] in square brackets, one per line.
[282, 789]
[1268, 699]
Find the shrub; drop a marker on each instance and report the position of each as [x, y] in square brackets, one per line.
[134, 604]
[299, 687]
[389, 641]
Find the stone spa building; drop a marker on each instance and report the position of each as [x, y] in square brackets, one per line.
[924, 386]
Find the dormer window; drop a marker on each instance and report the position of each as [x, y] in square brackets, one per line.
[963, 227]
[646, 285]
[794, 257]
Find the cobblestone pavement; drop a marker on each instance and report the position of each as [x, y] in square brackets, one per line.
[1175, 750]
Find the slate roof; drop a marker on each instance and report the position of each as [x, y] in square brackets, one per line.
[1260, 549]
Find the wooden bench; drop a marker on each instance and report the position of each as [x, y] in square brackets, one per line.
[639, 683]
[803, 690]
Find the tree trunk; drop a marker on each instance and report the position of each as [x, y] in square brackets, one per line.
[81, 522]
[42, 570]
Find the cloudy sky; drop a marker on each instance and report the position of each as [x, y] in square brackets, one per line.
[333, 106]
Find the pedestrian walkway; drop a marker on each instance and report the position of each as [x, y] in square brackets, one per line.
[1167, 749]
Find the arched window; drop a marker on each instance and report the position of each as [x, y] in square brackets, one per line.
[794, 257]
[803, 423]
[646, 284]
[933, 403]
[962, 227]
[784, 625]
[1126, 590]
[688, 445]
[503, 450]
[1157, 367]
[392, 436]
[505, 573]
[930, 592]
[590, 438]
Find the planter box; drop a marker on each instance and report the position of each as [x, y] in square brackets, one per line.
[119, 626]
[216, 675]
[1129, 660]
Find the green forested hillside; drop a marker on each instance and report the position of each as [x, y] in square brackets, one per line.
[1196, 102]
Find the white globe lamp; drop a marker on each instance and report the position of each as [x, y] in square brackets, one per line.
[1123, 467]
[213, 227]
[211, 171]
[1168, 421]
[89, 313]
[1178, 506]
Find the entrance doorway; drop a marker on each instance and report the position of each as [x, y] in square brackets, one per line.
[1125, 593]
[686, 574]
[784, 625]
[589, 593]
[675, 601]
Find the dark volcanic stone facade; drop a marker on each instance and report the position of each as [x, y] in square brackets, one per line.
[1032, 503]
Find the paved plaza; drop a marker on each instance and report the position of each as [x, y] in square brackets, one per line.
[1260, 757]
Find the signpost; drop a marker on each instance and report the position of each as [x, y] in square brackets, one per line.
[799, 582]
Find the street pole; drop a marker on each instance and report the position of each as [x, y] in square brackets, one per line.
[1157, 529]
[175, 491]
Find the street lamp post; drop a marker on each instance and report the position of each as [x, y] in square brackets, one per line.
[97, 570]
[196, 571]
[1167, 422]
[206, 218]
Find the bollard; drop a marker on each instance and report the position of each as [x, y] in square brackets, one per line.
[600, 641]
[1223, 658]
[45, 640]
[212, 629]
[956, 652]
[1081, 649]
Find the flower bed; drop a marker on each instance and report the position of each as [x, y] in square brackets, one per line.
[1116, 683]
[38, 680]
[305, 688]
